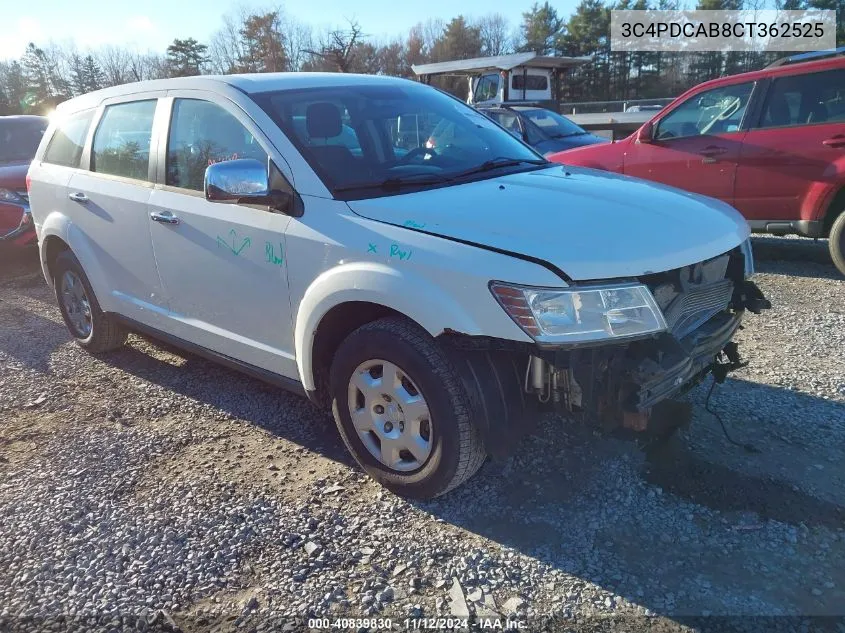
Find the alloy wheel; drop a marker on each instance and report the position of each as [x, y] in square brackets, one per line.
[76, 304]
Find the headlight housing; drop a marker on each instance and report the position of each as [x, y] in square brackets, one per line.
[7, 195]
[581, 314]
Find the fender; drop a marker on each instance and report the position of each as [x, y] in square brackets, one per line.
[59, 225]
[377, 283]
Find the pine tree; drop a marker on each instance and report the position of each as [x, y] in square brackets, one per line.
[263, 45]
[95, 77]
[542, 29]
[37, 76]
[186, 57]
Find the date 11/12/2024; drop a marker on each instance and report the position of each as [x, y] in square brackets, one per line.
[417, 624]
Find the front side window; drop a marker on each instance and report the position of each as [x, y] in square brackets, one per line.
[805, 100]
[69, 139]
[357, 136]
[201, 134]
[122, 140]
[487, 88]
[716, 111]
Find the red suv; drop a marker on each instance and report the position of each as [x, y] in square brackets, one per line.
[19, 138]
[770, 142]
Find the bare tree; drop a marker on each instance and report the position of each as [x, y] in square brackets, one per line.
[226, 46]
[337, 49]
[495, 34]
[115, 63]
[300, 40]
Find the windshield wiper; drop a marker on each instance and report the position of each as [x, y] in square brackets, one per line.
[497, 163]
[396, 182]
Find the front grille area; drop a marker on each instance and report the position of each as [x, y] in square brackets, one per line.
[697, 306]
[23, 193]
[692, 295]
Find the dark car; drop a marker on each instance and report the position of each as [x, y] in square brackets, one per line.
[544, 130]
[19, 138]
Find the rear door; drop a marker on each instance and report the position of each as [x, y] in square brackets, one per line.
[51, 172]
[696, 146]
[789, 155]
[108, 206]
[223, 266]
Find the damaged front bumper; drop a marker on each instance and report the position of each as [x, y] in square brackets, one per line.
[628, 386]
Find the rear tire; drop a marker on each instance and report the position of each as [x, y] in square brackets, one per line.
[448, 449]
[836, 242]
[94, 330]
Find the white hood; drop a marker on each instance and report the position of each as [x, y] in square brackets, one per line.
[590, 224]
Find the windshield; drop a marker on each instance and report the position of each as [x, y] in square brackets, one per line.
[19, 139]
[552, 124]
[367, 140]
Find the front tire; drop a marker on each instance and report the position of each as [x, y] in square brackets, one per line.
[88, 324]
[402, 410]
[836, 242]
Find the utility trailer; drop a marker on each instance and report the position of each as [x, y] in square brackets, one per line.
[515, 78]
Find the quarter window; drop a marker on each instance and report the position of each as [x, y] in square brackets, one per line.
[805, 100]
[201, 134]
[122, 140]
[716, 111]
[69, 139]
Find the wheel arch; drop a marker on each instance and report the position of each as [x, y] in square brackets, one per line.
[58, 233]
[52, 245]
[834, 208]
[348, 296]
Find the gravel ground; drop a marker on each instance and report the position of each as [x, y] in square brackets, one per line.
[152, 489]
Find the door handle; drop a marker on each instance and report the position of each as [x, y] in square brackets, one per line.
[713, 150]
[78, 196]
[835, 141]
[165, 217]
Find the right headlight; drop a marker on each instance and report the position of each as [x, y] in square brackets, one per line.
[582, 313]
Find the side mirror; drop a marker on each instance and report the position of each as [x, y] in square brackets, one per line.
[646, 133]
[243, 181]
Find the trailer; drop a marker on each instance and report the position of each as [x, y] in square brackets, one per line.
[515, 78]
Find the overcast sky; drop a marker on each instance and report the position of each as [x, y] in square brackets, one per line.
[152, 24]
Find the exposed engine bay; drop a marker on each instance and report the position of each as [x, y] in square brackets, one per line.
[629, 386]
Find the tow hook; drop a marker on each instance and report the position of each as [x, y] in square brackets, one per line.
[752, 298]
[727, 361]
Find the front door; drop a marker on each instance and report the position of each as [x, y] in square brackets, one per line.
[790, 156]
[223, 266]
[696, 146]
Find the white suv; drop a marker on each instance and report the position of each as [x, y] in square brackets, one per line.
[434, 298]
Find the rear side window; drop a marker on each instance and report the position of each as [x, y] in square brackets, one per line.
[805, 100]
[529, 82]
[66, 146]
[122, 140]
[201, 134]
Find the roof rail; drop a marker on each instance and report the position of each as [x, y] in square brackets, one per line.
[807, 57]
